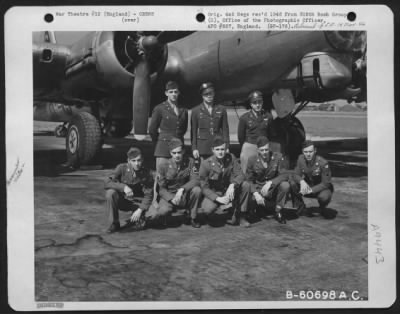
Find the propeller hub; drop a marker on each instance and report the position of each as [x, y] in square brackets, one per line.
[132, 47]
[148, 43]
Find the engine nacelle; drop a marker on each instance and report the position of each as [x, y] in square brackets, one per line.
[49, 61]
[106, 61]
[321, 70]
[56, 112]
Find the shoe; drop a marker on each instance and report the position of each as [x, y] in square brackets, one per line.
[303, 211]
[114, 227]
[135, 226]
[186, 219]
[233, 221]
[164, 221]
[328, 213]
[280, 218]
[195, 224]
[244, 223]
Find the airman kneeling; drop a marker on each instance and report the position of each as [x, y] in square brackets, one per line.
[316, 178]
[179, 183]
[222, 182]
[269, 179]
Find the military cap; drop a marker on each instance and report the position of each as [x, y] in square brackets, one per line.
[254, 95]
[218, 141]
[206, 86]
[133, 152]
[174, 143]
[306, 143]
[171, 85]
[262, 141]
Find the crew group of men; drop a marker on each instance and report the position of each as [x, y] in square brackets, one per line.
[213, 177]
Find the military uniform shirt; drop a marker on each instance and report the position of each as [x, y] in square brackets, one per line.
[165, 123]
[216, 176]
[173, 178]
[316, 173]
[141, 182]
[206, 126]
[250, 126]
[276, 171]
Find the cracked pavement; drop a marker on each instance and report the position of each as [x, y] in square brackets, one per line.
[76, 260]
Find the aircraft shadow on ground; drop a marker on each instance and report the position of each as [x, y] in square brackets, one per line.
[49, 162]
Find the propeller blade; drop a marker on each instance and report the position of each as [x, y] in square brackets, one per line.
[141, 96]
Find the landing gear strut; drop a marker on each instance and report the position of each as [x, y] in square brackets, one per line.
[61, 130]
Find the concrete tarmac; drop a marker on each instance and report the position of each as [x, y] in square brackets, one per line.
[76, 260]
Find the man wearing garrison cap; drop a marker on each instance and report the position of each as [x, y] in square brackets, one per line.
[179, 183]
[169, 119]
[208, 120]
[269, 179]
[316, 175]
[222, 182]
[252, 124]
[128, 182]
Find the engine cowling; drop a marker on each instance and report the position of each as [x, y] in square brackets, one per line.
[321, 70]
[105, 61]
[56, 112]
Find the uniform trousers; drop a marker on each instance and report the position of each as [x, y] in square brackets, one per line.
[240, 201]
[248, 150]
[116, 201]
[190, 200]
[274, 198]
[324, 197]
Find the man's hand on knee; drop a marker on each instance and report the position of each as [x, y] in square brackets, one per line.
[128, 191]
[259, 199]
[178, 197]
[230, 192]
[265, 188]
[136, 215]
[223, 200]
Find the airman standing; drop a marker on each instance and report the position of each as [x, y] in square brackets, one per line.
[208, 120]
[168, 120]
[252, 124]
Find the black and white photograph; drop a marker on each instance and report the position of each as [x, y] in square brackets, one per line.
[227, 167]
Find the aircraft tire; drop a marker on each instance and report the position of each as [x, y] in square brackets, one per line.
[296, 135]
[83, 141]
[290, 134]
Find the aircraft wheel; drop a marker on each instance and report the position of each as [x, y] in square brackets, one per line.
[290, 134]
[296, 135]
[83, 140]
